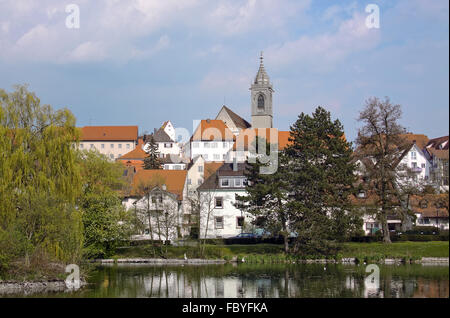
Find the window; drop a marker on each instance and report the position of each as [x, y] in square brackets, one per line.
[128, 146]
[224, 183]
[261, 101]
[413, 155]
[81, 146]
[237, 182]
[119, 155]
[423, 204]
[111, 156]
[206, 145]
[168, 145]
[214, 145]
[112, 146]
[92, 146]
[189, 181]
[362, 194]
[205, 156]
[426, 221]
[216, 157]
[239, 222]
[195, 145]
[224, 156]
[225, 144]
[218, 220]
[423, 165]
[120, 146]
[177, 167]
[103, 146]
[200, 168]
[218, 203]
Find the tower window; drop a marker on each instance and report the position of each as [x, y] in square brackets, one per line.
[261, 101]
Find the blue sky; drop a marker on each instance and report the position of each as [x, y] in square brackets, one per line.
[141, 62]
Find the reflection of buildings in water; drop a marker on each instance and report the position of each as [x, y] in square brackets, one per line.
[431, 288]
[350, 282]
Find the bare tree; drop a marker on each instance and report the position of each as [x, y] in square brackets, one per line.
[380, 140]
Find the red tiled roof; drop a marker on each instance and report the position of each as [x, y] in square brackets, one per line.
[212, 129]
[432, 208]
[173, 179]
[247, 137]
[111, 133]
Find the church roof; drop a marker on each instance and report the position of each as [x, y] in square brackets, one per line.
[238, 121]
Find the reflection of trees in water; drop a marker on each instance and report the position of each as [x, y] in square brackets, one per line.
[249, 280]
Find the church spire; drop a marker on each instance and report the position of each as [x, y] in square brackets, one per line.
[261, 76]
[261, 98]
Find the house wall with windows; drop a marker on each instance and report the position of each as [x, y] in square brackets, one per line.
[211, 150]
[220, 216]
[225, 220]
[111, 149]
[112, 141]
[416, 160]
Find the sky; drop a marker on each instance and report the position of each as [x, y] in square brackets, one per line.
[142, 62]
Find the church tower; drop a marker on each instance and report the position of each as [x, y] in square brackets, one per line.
[261, 94]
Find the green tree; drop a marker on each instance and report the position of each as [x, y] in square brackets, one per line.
[39, 179]
[152, 161]
[267, 195]
[105, 221]
[319, 174]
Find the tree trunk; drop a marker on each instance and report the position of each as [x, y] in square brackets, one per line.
[385, 227]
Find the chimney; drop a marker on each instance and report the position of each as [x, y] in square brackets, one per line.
[208, 120]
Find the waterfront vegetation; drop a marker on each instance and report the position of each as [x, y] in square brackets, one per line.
[274, 253]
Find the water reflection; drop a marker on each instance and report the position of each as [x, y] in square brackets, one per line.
[263, 281]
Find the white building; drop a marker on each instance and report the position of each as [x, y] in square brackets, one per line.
[218, 195]
[112, 141]
[212, 140]
[164, 137]
[161, 192]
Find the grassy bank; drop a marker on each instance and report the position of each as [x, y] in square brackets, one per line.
[274, 253]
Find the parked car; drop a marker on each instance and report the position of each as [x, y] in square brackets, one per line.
[246, 235]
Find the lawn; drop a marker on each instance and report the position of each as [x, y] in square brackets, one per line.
[412, 250]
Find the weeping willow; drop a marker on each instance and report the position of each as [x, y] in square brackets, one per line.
[39, 180]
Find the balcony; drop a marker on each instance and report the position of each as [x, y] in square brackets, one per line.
[416, 169]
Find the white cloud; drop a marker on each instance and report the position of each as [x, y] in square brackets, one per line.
[322, 51]
[87, 52]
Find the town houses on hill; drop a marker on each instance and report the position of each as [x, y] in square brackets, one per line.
[194, 192]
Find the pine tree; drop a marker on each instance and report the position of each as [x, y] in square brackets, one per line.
[320, 177]
[266, 196]
[152, 160]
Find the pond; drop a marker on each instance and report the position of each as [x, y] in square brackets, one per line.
[260, 281]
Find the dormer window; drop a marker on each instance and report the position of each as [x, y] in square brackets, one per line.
[261, 102]
[423, 204]
[362, 194]
[224, 183]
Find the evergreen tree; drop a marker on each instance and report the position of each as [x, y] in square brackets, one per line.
[266, 196]
[320, 178]
[152, 160]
